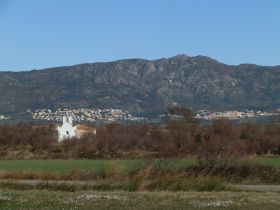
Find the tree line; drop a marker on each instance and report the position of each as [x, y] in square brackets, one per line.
[218, 140]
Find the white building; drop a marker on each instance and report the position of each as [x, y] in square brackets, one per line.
[67, 130]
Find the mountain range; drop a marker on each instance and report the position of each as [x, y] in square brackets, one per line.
[143, 86]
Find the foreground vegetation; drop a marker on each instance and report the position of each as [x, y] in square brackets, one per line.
[136, 175]
[138, 200]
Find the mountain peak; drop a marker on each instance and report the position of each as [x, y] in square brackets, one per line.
[181, 57]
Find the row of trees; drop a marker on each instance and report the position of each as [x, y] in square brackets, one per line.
[218, 140]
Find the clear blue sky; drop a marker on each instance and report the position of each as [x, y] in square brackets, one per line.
[36, 34]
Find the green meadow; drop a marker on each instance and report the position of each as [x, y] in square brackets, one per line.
[271, 161]
[62, 166]
[130, 165]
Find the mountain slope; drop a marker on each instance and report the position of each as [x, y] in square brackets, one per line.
[143, 86]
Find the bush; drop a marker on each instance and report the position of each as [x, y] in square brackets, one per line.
[209, 184]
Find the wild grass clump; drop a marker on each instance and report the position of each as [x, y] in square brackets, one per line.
[209, 184]
[160, 176]
[236, 171]
[28, 174]
[15, 186]
[113, 170]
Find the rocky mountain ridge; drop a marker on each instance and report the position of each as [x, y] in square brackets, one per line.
[143, 86]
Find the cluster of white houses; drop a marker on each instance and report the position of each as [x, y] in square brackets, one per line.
[85, 115]
[232, 115]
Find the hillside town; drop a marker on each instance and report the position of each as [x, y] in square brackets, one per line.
[118, 115]
[232, 115]
[85, 115]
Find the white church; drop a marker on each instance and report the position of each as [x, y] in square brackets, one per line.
[67, 130]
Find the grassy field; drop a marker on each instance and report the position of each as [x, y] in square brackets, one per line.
[105, 194]
[138, 200]
[60, 166]
[140, 171]
[99, 165]
[272, 161]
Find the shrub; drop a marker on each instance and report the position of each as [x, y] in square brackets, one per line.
[209, 184]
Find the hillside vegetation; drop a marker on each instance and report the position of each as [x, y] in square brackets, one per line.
[143, 86]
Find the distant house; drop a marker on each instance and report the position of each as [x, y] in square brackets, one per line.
[83, 130]
[68, 131]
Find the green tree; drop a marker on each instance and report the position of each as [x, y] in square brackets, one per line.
[180, 114]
